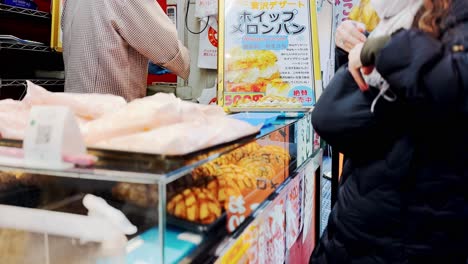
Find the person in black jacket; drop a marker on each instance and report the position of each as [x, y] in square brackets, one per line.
[404, 192]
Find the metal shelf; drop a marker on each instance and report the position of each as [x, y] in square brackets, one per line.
[23, 11]
[21, 82]
[18, 46]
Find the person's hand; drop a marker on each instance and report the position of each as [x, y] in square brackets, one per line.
[355, 67]
[349, 34]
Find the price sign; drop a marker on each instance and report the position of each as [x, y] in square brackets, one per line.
[51, 133]
[233, 98]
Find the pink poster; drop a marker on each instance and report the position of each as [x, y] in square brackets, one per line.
[272, 233]
[293, 211]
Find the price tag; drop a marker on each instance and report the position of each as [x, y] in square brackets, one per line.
[233, 98]
[51, 133]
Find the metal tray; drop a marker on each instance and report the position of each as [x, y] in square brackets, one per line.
[152, 163]
[197, 227]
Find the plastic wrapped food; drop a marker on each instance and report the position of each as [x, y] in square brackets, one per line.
[182, 138]
[146, 114]
[13, 119]
[85, 106]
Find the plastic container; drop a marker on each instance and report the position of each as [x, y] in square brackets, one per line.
[40, 236]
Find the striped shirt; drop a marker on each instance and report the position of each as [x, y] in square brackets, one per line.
[107, 45]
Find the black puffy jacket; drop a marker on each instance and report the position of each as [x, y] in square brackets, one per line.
[404, 193]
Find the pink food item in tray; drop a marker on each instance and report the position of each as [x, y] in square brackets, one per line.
[182, 138]
[80, 160]
[145, 114]
[13, 119]
[85, 106]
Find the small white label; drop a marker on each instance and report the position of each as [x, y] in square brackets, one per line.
[51, 133]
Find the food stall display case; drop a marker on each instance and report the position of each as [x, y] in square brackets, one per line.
[247, 201]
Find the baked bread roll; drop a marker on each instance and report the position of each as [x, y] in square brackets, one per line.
[196, 205]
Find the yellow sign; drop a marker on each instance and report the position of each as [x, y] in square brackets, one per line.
[56, 32]
[268, 48]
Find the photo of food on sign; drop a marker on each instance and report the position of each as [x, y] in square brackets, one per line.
[268, 55]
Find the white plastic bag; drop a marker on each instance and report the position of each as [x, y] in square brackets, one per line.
[85, 106]
[182, 138]
[208, 48]
[146, 114]
[204, 8]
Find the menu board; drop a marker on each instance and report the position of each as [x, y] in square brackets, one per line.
[308, 188]
[266, 54]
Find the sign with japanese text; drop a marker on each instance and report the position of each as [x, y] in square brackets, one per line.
[237, 252]
[266, 52]
[272, 235]
[241, 206]
[341, 12]
[304, 139]
[208, 45]
[293, 211]
[308, 191]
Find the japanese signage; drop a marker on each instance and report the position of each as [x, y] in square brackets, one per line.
[267, 59]
[342, 10]
[293, 211]
[241, 206]
[304, 137]
[308, 189]
[208, 49]
[341, 13]
[272, 235]
[237, 252]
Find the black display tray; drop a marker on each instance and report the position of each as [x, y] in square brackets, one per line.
[152, 163]
[24, 196]
[197, 227]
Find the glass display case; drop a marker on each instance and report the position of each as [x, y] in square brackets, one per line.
[143, 208]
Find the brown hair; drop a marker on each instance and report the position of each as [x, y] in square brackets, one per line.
[431, 15]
